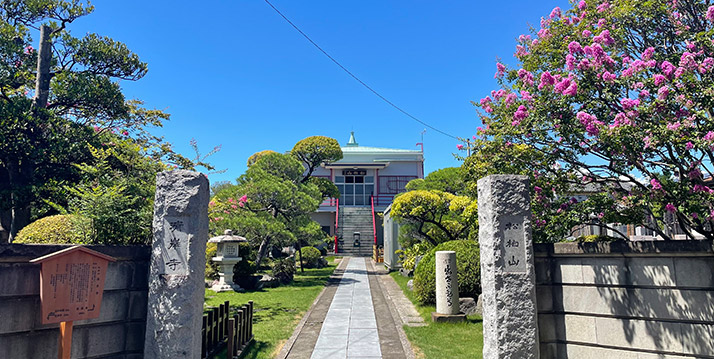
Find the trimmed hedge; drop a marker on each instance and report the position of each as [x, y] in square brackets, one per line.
[284, 270]
[311, 257]
[467, 267]
[58, 229]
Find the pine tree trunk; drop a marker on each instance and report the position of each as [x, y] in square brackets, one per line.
[302, 266]
[262, 251]
[19, 208]
[44, 58]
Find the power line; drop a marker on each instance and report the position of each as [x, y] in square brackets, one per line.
[357, 78]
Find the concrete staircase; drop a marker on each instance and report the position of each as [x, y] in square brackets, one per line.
[356, 219]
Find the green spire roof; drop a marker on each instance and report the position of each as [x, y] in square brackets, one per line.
[352, 142]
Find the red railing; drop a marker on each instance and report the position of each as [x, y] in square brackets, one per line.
[337, 220]
[329, 202]
[374, 226]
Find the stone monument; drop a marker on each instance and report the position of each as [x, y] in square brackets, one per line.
[226, 257]
[507, 272]
[447, 289]
[178, 264]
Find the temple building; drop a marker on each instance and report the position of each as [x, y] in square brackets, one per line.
[368, 178]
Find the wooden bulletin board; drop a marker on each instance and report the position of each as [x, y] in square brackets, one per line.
[72, 284]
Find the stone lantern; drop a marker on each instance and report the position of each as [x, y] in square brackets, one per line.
[226, 257]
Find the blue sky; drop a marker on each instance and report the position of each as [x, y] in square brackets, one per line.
[235, 74]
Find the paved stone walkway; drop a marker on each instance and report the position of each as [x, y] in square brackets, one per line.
[350, 327]
[359, 314]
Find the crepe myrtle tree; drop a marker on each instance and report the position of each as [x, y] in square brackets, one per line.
[619, 95]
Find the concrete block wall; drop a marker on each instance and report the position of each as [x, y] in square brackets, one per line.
[118, 333]
[626, 299]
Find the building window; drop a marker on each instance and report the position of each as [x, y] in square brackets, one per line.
[355, 190]
[393, 184]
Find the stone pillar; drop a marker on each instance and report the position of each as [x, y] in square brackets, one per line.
[178, 264]
[447, 283]
[447, 289]
[507, 272]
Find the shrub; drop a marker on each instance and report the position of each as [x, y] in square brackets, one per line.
[467, 267]
[211, 267]
[408, 257]
[284, 270]
[597, 238]
[310, 257]
[60, 229]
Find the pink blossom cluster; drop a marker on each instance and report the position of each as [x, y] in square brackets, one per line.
[674, 126]
[604, 38]
[566, 86]
[486, 104]
[546, 79]
[526, 77]
[520, 114]
[621, 120]
[628, 103]
[603, 7]
[656, 185]
[703, 188]
[500, 70]
[590, 122]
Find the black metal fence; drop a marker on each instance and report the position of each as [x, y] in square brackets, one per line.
[221, 329]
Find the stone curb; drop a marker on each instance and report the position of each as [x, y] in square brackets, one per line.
[288, 346]
[398, 320]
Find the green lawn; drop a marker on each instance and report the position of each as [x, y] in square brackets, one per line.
[277, 310]
[442, 340]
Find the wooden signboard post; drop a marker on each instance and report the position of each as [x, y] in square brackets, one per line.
[71, 288]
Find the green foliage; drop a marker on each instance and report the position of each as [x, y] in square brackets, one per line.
[243, 269]
[435, 216]
[310, 257]
[313, 151]
[467, 267]
[596, 238]
[498, 157]
[448, 179]
[270, 204]
[442, 340]
[211, 267]
[284, 270]
[58, 229]
[326, 187]
[256, 156]
[42, 142]
[408, 256]
[117, 193]
[277, 310]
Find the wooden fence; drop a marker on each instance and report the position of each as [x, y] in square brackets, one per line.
[223, 330]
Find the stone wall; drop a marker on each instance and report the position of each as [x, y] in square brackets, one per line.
[119, 331]
[626, 299]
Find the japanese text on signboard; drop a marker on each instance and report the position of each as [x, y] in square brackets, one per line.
[514, 249]
[175, 246]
